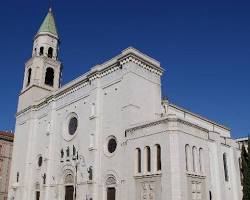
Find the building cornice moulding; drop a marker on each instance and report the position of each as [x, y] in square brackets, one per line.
[99, 71]
[164, 121]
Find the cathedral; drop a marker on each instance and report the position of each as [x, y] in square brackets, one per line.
[109, 134]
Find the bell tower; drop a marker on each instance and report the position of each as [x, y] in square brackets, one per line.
[43, 70]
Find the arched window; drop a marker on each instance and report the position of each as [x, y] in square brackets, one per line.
[158, 157]
[138, 160]
[50, 52]
[29, 76]
[148, 159]
[41, 51]
[187, 156]
[201, 160]
[194, 152]
[225, 166]
[49, 77]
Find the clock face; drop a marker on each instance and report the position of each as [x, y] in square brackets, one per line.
[73, 123]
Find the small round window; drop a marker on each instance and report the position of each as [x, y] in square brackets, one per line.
[112, 144]
[40, 161]
[73, 125]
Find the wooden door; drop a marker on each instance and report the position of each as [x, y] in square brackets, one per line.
[111, 193]
[37, 195]
[69, 192]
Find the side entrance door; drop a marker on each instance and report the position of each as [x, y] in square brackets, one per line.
[69, 192]
[111, 193]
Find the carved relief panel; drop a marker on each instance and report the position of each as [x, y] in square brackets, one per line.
[148, 188]
[147, 191]
[196, 188]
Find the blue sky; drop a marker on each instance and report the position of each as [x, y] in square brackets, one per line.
[204, 46]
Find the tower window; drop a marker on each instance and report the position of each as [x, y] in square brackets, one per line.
[41, 51]
[29, 76]
[49, 77]
[50, 52]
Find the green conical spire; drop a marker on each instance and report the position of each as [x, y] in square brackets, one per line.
[48, 25]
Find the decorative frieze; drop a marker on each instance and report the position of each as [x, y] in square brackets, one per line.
[97, 74]
[142, 64]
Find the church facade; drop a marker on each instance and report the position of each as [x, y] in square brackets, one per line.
[108, 135]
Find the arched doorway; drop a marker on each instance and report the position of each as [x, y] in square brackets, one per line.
[111, 188]
[69, 187]
[37, 191]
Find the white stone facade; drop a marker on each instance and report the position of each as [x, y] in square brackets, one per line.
[161, 152]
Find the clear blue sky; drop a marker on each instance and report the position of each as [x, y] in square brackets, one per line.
[204, 47]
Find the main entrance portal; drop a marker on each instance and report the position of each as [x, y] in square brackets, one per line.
[69, 192]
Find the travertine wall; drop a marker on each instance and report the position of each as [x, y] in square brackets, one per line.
[6, 143]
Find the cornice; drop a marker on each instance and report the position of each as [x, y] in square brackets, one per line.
[142, 63]
[6, 137]
[34, 85]
[195, 175]
[98, 72]
[164, 121]
[46, 34]
[199, 116]
[44, 58]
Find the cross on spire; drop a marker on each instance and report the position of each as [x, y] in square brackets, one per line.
[50, 5]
